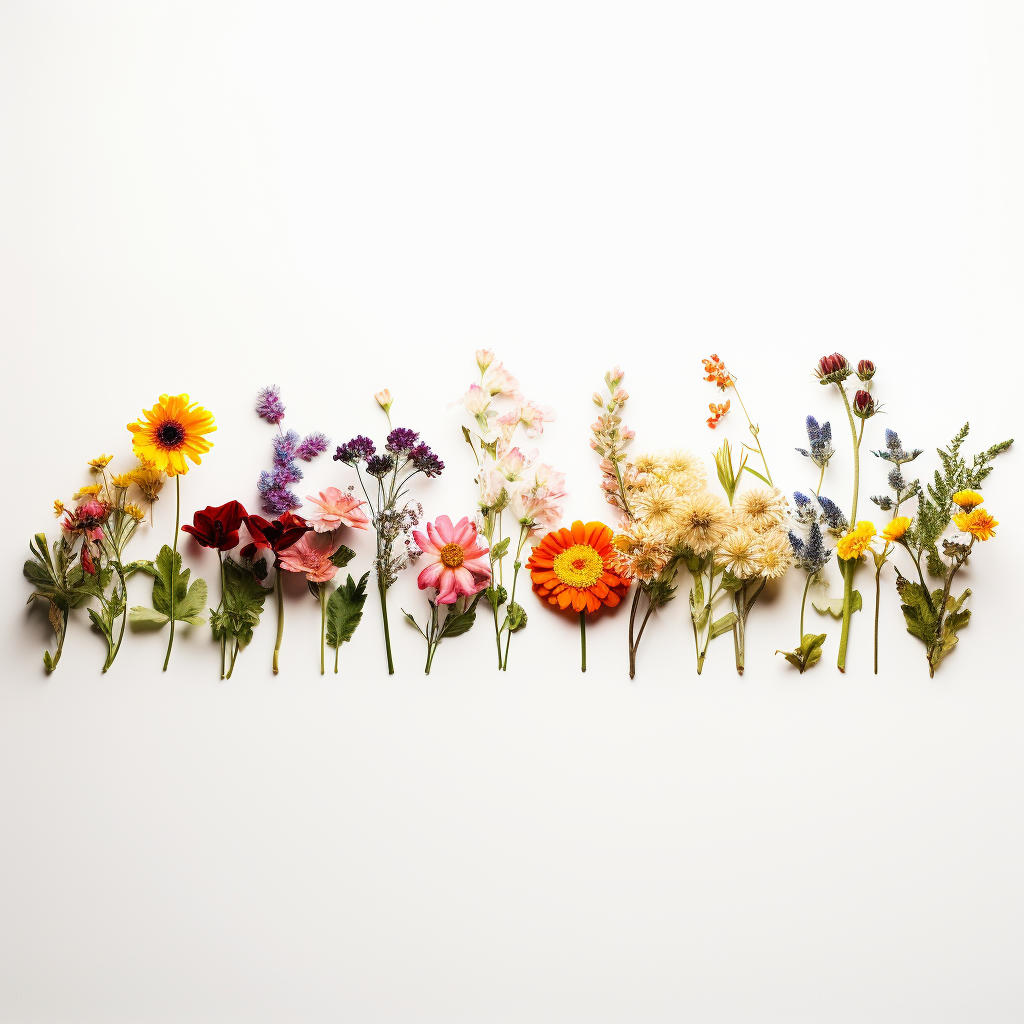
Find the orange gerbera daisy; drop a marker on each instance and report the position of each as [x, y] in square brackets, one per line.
[572, 569]
[169, 431]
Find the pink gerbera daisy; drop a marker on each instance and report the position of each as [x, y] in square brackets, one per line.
[338, 509]
[454, 560]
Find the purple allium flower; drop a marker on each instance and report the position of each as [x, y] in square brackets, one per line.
[426, 461]
[312, 445]
[269, 405]
[353, 451]
[401, 439]
[379, 465]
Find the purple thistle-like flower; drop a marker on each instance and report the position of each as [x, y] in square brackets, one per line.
[278, 500]
[426, 461]
[285, 475]
[284, 447]
[356, 450]
[401, 439]
[269, 404]
[834, 517]
[379, 465]
[312, 445]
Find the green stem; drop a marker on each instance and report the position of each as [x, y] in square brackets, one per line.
[849, 567]
[323, 623]
[177, 527]
[118, 568]
[739, 626]
[583, 641]
[523, 531]
[755, 431]
[803, 604]
[821, 480]
[234, 655]
[878, 597]
[383, 591]
[223, 639]
[279, 586]
[431, 639]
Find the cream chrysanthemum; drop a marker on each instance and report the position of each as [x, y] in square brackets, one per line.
[762, 509]
[738, 552]
[657, 508]
[639, 553]
[774, 554]
[653, 462]
[702, 523]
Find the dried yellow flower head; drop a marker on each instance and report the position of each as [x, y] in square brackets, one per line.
[101, 462]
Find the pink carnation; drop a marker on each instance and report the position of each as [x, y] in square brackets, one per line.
[338, 509]
[311, 554]
[454, 560]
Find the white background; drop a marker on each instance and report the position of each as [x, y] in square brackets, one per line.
[210, 198]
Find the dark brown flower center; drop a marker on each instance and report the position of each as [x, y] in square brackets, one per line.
[170, 434]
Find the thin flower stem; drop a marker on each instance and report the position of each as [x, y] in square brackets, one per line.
[383, 590]
[583, 640]
[174, 552]
[803, 605]
[755, 431]
[821, 480]
[279, 587]
[323, 623]
[849, 567]
[878, 598]
[234, 655]
[220, 556]
[523, 531]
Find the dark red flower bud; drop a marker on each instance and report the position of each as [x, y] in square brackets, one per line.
[863, 405]
[833, 369]
[865, 369]
[278, 535]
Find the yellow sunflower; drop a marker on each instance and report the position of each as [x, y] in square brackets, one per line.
[169, 431]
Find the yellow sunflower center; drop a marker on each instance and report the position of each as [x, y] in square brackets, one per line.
[452, 556]
[579, 566]
[170, 434]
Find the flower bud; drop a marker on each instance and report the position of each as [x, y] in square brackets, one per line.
[484, 358]
[384, 399]
[598, 400]
[865, 369]
[863, 405]
[833, 369]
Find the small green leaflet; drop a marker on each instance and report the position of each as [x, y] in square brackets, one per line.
[60, 582]
[456, 623]
[189, 601]
[808, 653]
[342, 557]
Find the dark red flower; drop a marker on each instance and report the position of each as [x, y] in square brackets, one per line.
[865, 369]
[87, 561]
[217, 527]
[833, 369]
[278, 535]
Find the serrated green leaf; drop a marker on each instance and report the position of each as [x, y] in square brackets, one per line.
[242, 606]
[458, 622]
[189, 601]
[345, 610]
[342, 556]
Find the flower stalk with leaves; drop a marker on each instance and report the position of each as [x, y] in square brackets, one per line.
[951, 499]
[391, 473]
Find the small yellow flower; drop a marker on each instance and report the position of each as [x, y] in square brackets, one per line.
[896, 528]
[967, 499]
[148, 480]
[978, 523]
[101, 463]
[58, 508]
[123, 480]
[86, 492]
[855, 543]
[135, 512]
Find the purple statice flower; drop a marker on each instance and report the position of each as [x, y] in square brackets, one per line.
[401, 439]
[426, 461]
[312, 446]
[269, 405]
[358, 449]
[379, 465]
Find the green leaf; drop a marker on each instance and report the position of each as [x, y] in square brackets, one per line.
[342, 556]
[515, 618]
[345, 610]
[458, 622]
[758, 475]
[242, 606]
[411, 619]
[722, 625]
[189, 601]
[496, 595]
[835, 606]
[499, 550]
[807, 654]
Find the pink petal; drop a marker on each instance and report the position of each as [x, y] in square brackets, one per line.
[465, 532]
[430, 576]
[435, 536]
[448, 592]
[444, 528]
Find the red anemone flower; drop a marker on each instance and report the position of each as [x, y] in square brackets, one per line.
[217, 527]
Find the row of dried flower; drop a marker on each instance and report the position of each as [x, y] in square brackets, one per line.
[733, 544]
